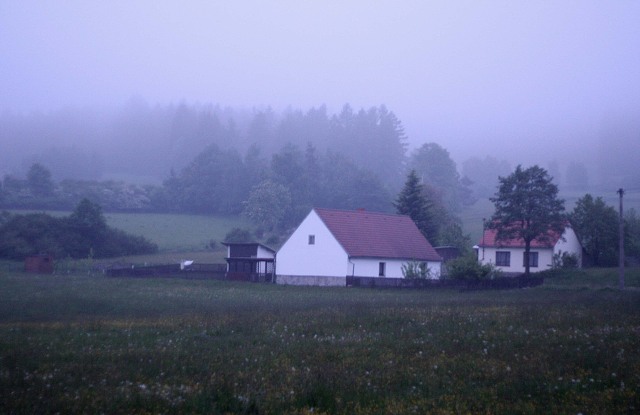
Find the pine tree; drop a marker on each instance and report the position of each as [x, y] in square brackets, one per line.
[412, 202]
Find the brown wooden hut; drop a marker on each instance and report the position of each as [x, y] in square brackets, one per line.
[39, 264]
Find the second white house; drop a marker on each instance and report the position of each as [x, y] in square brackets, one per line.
[509, 255]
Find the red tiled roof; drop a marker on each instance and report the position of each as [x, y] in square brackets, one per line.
[489, 240]
[377, 235]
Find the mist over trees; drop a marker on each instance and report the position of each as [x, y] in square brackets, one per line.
[484, 173]
[209, 159]
[143, 144]
[618, 152]
[434, 166]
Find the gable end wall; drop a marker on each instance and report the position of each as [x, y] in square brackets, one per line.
[325, 258]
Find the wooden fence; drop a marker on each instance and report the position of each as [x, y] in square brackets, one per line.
[193, 271]
[501, 283]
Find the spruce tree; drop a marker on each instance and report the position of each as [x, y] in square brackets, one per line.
[412, 202]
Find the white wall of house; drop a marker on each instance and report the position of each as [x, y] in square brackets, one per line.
[264, 267]
[569, 243]
[370, 267]
[265, 253]
[325, 257]
[311, 280]
[545, 259]
[435, 268]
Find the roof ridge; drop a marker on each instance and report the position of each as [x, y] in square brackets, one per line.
[372, 212]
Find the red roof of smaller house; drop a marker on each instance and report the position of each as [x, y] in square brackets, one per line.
[489, 239]
[378, 235]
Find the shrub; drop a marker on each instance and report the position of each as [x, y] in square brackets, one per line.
[468, 268]
[82, 234]
[416, 270]
[565, 260]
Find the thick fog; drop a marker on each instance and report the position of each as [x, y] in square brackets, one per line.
[528, 82]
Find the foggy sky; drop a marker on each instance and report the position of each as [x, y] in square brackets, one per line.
[520, 79]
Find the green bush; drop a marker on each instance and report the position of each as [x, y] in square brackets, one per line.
[565, 260]
[416, 270]
[82, 234]
[468, 268]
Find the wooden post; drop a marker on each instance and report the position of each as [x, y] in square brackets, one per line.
[621, 242]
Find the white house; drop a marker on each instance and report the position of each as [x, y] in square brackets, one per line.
[509, 255]
[330, 245]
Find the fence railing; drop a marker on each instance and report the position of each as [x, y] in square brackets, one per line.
[501, 283]
[193, 271]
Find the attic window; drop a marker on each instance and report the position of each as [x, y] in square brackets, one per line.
[312, 239]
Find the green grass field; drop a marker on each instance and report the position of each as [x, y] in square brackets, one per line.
[174, 232]
[87, 344]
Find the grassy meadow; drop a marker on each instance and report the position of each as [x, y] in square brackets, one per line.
[173, 232]
[90, 344]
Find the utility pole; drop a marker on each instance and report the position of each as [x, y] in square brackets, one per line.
[621, 242]
[484, 227]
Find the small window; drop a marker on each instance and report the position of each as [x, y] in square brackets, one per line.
[382, 269]
[533, 259]
[312, 239]
[503, 258]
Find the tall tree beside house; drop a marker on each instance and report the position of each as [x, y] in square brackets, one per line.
[412, 202]
[596, 225]
[527, 207]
